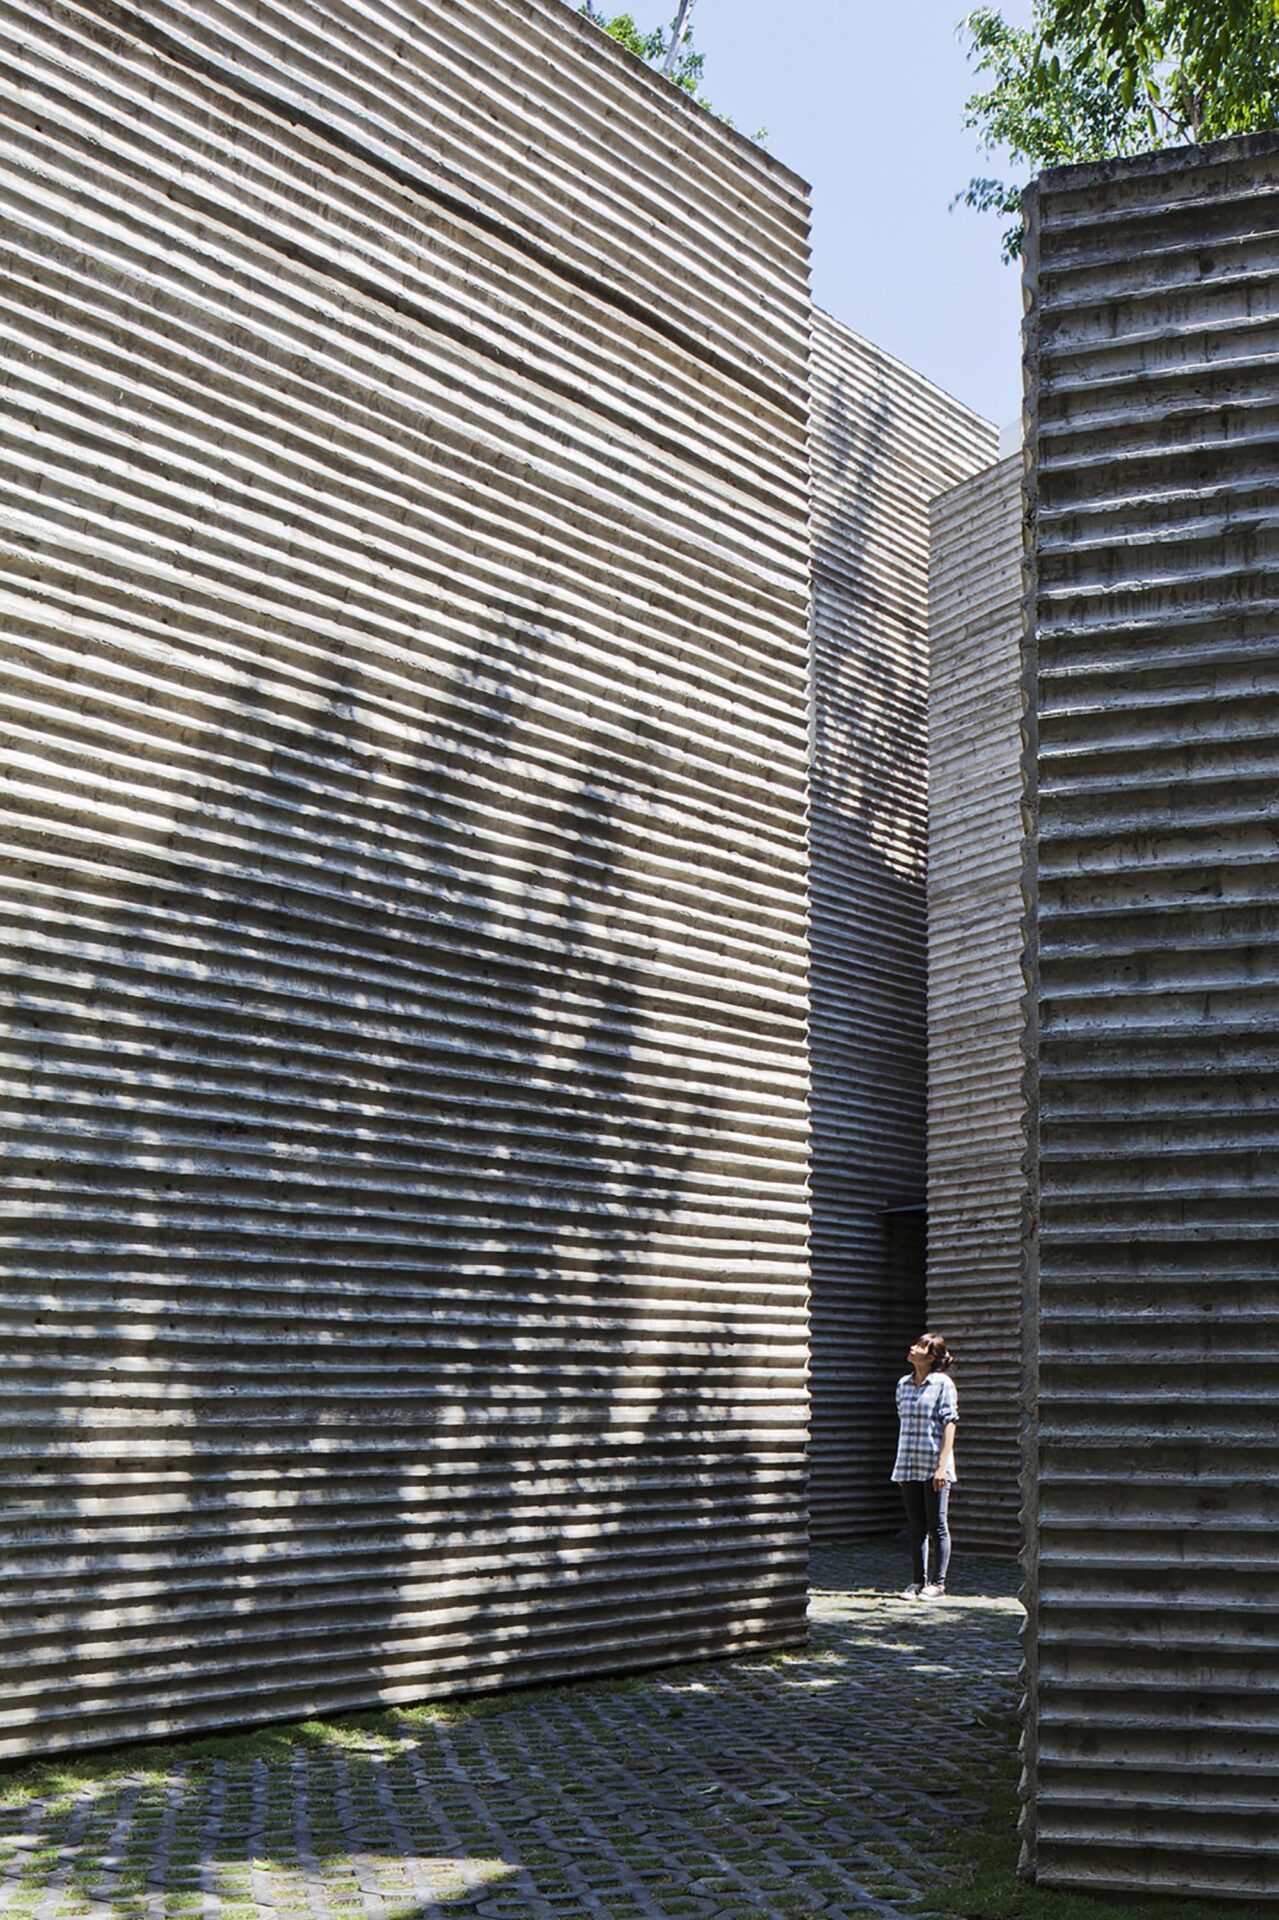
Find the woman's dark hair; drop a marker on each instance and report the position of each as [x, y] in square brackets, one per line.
[938, 1352]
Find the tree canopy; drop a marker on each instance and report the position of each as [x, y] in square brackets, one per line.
[1095, 79]
[652, 44]
[1203, 38]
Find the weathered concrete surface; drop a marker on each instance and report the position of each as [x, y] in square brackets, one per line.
[827, 1782]
[885, 442]
[405, 581]
[975, 1138]
[1153, 699]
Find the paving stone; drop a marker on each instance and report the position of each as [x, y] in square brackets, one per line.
[804, 1785]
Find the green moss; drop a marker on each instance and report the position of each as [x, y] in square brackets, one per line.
[157, 1762]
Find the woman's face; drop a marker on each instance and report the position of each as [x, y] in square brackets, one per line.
[919, 1356]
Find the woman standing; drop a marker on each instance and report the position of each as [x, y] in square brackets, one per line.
[928, 1410]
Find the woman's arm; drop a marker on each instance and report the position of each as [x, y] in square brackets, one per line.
[946, 1456]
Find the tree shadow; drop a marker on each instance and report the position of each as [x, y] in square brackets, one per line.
[393, 1319]
[532, 1398]
[569, 1798]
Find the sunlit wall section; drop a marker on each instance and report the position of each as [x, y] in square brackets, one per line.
[885, 442]
[405, 675]
[1153, 701]
[975, 1141]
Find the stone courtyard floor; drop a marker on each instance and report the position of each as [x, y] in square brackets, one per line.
[824, 1781]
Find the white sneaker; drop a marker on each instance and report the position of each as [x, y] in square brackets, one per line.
[932, 1592]
[912, 1593]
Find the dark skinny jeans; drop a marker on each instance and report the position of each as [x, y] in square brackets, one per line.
[926, 1518]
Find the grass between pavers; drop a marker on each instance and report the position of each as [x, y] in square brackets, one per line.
[979, 1880]
[59, 1776]
[53, 1779]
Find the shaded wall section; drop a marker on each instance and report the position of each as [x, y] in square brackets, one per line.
[885, 442]
[405, 665]
[1153, 1736]
[975, 1140]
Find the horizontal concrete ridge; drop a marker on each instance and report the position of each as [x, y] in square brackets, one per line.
[884, 443]
[974, 985]
[1153, 1741]
[405, 581]
[542, 128]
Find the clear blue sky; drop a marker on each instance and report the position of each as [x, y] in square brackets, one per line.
[865, 99]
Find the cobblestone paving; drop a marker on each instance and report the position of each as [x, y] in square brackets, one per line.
[823, 1782]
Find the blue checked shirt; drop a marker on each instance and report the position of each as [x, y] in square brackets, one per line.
[924, 1412]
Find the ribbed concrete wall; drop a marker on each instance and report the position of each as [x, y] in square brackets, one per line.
[1153, 1744]
[885, 442]
[405, 666]
[975, 1142]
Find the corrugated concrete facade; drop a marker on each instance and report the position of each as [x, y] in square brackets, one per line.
[885, 442]
[1153, 687]
[975, 1139]
[405, 590]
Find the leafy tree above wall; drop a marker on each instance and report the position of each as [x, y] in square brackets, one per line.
[1097, 79]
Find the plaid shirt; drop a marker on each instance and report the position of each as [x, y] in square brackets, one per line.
[925, 1412]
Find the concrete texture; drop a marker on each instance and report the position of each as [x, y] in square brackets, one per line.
[828, 1781]
[975, 1141]
[405, 584]
[1153, 900]
[885, 441]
